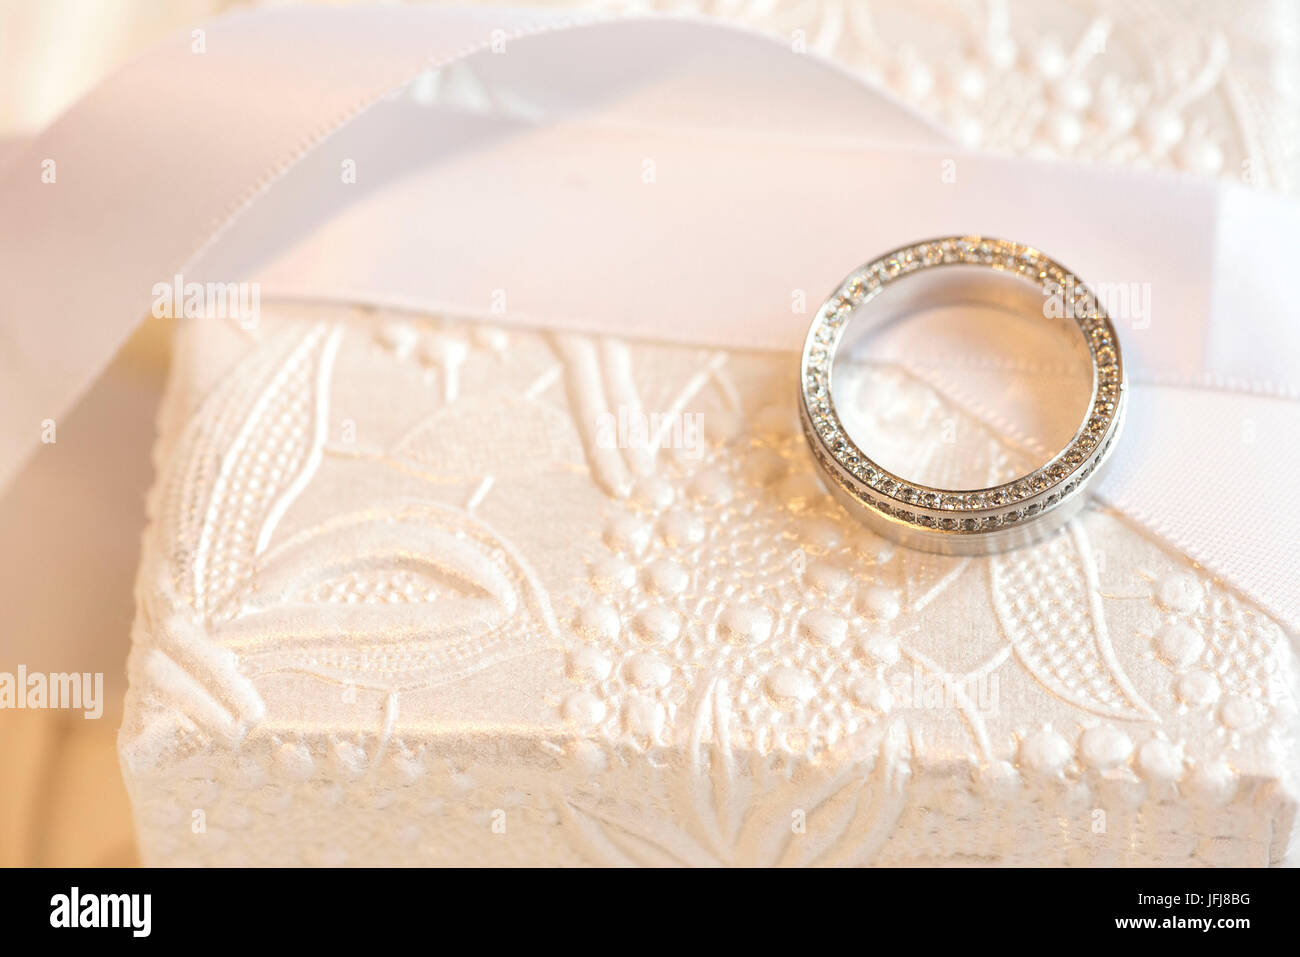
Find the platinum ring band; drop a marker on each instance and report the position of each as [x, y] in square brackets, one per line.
[960, 269]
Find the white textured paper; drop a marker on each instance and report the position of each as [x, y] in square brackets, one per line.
[398, 582]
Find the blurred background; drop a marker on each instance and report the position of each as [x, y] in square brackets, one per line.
[1195, 87]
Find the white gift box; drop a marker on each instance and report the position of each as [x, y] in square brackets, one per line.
[408, 599]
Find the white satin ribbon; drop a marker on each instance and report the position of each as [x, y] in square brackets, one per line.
[771, 172]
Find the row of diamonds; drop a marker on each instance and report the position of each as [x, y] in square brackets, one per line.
[827, 428]
[972, 523]
[1076, 300]
[999, 254]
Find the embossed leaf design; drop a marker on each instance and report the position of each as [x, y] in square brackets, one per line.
[489, 435]
[408, 596]
[748, 808]
[244, 457]
[1048, 604]
[393, 597]
[600, 382]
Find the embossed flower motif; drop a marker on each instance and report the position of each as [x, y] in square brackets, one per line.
[440, 348]
[1016, 88]
[1222, 654]
[734, 569]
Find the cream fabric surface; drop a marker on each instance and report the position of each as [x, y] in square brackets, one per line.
[691, 651]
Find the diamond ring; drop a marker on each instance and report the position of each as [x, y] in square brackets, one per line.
[945, 271]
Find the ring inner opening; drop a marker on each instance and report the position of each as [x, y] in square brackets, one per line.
[961, 377]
